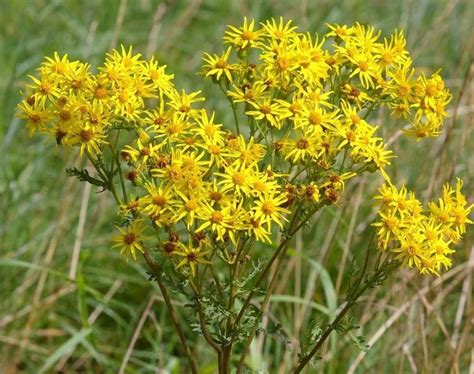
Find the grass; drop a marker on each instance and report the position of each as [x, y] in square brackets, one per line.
[94, 313]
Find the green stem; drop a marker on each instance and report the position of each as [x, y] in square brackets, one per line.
[324, 337]
[226, 359]
[260, 279]
[172, 312]
[370, 282]
[202, 322]
[366, 262]
[102, 174]
[341, 168]
[216, 281]
[236, 120]
[282, 247]
[370, 109]
[272, 284]
[114, 192]
[116, 157]
[106, 176]
[227, 350]
[263, 306]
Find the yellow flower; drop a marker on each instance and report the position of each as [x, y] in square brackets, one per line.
[247, 152]
[441, 211]
[261, 185]
[101, 91]
[96, 113]
[115, 73]
[157, 75]
[423, 128]
[57, 65]
[461, 210]
[400, 109]
[47, 86]
[271, 112]
[365, 38]
[279, 61]
[268, 209]
[157, 118]
[218, 65]
[315, 116]
[174, 129]
[311, 59]
[218, 153]
[223, 221]
[417, 237]
[182, 102]
[130, 239]
[305, 99]
[337, 181]
[439, 251]
[388, 195]
[295, 107]
[257, 229]
[366, 69]
[302, 148]
[143, 152]
[36, 114]
[248, 94]
[280, 31]
[126, 59]
[411, 252]
[77, 78]
[237, 179]
[243, 37]
[207, 129]
[88, 138]
[191, 256]
[401, 83]
[393, 52]
[355, 96]
[216, 196]
[159, 199]
[310, 192]
[388, 227]
[189, 207]
[339, 31]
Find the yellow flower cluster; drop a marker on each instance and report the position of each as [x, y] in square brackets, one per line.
[77, 108]
[193, 176]
[202, 187]
[318, 91]
[422, 237]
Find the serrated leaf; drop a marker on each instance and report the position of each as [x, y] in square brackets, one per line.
[84, 176]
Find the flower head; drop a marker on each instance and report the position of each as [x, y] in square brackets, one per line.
[130, 239]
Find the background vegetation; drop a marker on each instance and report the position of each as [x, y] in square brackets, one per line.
[68, 303]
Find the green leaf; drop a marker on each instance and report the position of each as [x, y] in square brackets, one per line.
[84, 176]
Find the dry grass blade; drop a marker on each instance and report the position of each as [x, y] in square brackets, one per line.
[136, 333]
[465, 267]
[92, 318]
[63, 218]
[118, 23]
[47, 301]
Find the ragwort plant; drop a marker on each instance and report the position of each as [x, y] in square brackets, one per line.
[198, 200]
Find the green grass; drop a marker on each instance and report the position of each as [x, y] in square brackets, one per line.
[46, 318]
